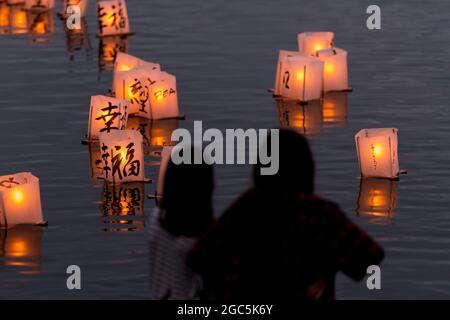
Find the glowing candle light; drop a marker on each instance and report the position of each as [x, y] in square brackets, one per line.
[127, 62]
[311, 42]
[4, 15]
[106, 114]
[18, 19]
[21, 246]
[122, 156]
[335, 76]
[299, 77]
[377, 153]
[163, 96]
[20, 200]
[123, 200]
[112, 17]
[377, 198]
[156, 133]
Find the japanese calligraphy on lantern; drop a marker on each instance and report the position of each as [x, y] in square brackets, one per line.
[106, 114]
[112, 17]
[122, 155]
[377, 152]
[20, 200]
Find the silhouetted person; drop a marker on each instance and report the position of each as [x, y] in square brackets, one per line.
[279, 240]
[184, 215]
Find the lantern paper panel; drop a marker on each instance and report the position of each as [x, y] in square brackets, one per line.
[112, 17]
[108, 49]
[377, 153]
[106, 114]
[156, 133]
[163, 96]
[95, 163]
[282, 57]
[301, 78]
[305, 119]
[377, 198]
[39, 4]
[21, 246]
[127, 62]
[122, 156]
[335, 71]
[311, 42]
[166, 153]
[335, 109]
[20, 200]
[123, 200]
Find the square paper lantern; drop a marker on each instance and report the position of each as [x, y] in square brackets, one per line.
[305, 119]
[122, 156]
[311, 42]
[300, 78]
[163, 96]
[106, 114]
[127, 62]
[335, 109]
[335, 73]
[39, 4]
[377, 198]
[20, 200]
[112, 18]
[377, 153]
[282, 57]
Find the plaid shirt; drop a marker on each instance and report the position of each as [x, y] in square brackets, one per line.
[281, 247]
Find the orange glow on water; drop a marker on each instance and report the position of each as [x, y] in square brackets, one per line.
[18, 249]
[20, 19]
[40, 28]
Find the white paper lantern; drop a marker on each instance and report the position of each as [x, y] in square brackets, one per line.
[311, 42]
[300, 78]
[106, 114]
[112, 18]
[377, 153]
[282, 57]
[163, 96]
[39, 4]
[335, 109]
[377, 198]
[127, 62]
[335, 73]
[122, 156]
[305, 119]
[20, 200]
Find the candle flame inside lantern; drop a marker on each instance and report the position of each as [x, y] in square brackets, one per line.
[300, 75]
[329, 68]
[17, 196]
[123, 67]
[377, 150]
[318, 47]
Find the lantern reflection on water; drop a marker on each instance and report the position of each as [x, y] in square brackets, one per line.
[311, 42]
[335, 71]
[377, 198]
[298, 77]
[335, 109]
[21, 246]
[122, 156]
[112, 18]
[39, 5]
[377, 153]
[106, 114]
[108, 49]
[306, 119]
[156, 133]
[18, 19]
[95, 163]
[77, 40]
[20, 200]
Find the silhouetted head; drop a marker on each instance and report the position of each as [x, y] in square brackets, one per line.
[296, 169]
[187, 198]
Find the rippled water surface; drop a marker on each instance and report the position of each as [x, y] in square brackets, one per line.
[224, 55]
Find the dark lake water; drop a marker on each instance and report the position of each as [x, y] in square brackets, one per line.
[224, 56]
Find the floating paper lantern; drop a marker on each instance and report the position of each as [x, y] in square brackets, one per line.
[127, 62]
[335, 109]
[95, 163]
[377, 198]
[165, 158]
[122, 156]
[156, 133]
[39, 4]
[377, 153]
[335, 73]
[305, 119]
[106, 114]
[20, 200]
[282, 57]
[299, 77]
[163, 96]
[21, 246]
[112, 18]
[311, 42]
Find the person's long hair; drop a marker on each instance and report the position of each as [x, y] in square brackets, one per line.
[296, 166]
[186, 202]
